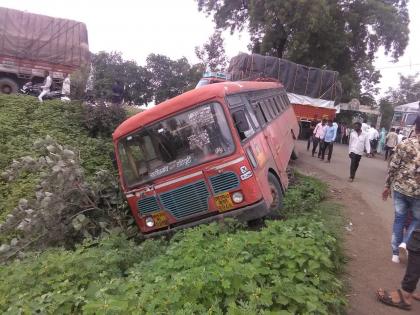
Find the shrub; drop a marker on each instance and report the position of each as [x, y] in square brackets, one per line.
[303, 196]
[23, 120]
[205, 270]
[100, 119]
[66, 207]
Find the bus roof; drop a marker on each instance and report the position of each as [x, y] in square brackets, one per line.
[186, 100]
[409, 107]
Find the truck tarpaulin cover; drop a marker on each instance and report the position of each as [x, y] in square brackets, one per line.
[297, 79]
[43, 38]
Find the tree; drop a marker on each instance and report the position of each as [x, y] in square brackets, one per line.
[341, 35]
[408, 90]
[109, 67]
[170, 77]
[387, 111]
[212, 54]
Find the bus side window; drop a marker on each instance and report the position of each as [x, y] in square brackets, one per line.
[277, 104]
[274, 106]
[285, 100]
[267, 117]
[258, 112]
[267, 110]
[242, 124]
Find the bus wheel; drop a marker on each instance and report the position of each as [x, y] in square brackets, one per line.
[8, 86]
[277, 194]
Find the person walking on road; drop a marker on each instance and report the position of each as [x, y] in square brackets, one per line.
[391, 141]
[311, 134]
[404, 179]
[65, 90]
[358, 143]
[381, 144]
[46, 87]
[373, 139]
[319, 134]
[402, 298]
[330, 135]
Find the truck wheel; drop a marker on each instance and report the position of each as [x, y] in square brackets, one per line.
[8, 86]
[277, 194]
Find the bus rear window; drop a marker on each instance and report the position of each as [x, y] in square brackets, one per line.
[176, 143]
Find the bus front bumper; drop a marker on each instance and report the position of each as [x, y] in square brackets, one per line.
[248, 213]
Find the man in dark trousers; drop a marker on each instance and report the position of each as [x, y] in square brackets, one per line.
[358, 143]
[406, 178]
[402, 298]
[319, 134]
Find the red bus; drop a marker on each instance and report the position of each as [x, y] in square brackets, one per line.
[217, 151]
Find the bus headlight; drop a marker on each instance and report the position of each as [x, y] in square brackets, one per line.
[150, 222]
[237, 197]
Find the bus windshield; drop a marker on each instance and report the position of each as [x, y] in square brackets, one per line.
[410, 119]
[181, 141]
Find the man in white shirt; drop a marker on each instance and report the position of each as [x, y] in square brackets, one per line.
[319, 134]
[359, 141]
[65, 90]
[46, 87]
[400, 136]
[373, 139]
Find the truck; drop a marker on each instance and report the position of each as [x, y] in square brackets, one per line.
[32, 44]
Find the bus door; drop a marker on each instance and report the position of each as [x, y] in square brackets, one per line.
[253, 141]
[275, 135]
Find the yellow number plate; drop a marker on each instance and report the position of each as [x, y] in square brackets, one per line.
[223, 202]
[160, 219]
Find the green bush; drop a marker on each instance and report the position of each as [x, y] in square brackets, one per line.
[286, 268]
[303, 196]
[23, 120]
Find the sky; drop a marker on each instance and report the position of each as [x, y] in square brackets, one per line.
[174, 28]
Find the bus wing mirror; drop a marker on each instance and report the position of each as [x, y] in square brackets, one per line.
[241, 123]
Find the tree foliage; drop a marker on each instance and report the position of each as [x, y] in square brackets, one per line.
[109, 67]
[212, 54]
[408, 90]
[387, 111]
[170, 77]
[340, 35]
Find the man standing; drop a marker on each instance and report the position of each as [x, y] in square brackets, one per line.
[403, 174]
[330, 135]
[390, 142]
[65, 90]
[373, 139]
[319, 134]
[358, 143]
[404, 178]
[403, 297]
[311, 129]
[46, 87]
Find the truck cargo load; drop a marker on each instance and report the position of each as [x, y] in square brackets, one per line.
[297, 79]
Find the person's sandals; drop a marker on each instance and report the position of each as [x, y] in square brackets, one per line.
[387, 299]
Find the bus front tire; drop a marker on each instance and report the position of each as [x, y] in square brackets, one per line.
[8, 86]
[277, 194]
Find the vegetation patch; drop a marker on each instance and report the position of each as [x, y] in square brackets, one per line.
[288, 267]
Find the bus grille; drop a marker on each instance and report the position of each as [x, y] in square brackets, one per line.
[147, 205]
[186, 200]
[224, 182]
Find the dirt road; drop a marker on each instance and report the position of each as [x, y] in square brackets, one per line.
[368, 241]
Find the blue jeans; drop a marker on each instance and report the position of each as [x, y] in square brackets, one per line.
[403, 205]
